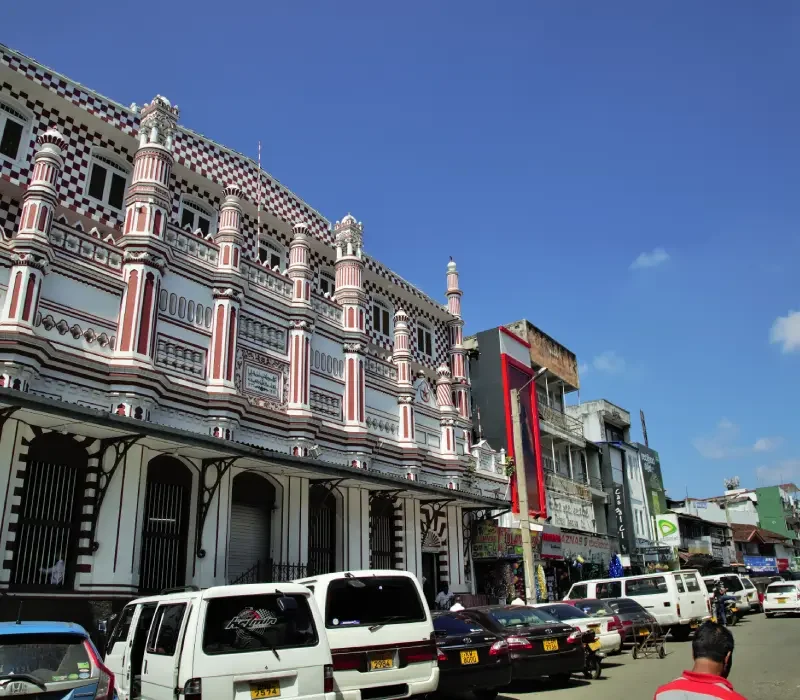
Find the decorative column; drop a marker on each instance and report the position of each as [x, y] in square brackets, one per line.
[405, 385]
[32, 239]
[229, 235]
[458, 364]
[301, 325]
[136, 328]
[224, 329]
[350, 294]
[149, 200]
[447, 411]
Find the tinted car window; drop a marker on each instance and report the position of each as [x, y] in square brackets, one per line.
[247, 623]
[50, 658]
[165, 629]
[390, 600]
[732, 583]
[123, 626]
[578, 591]
[521, 617]
[455, 624]
[747, 583]
[563, 612]
[646, 586]
[781, 588]
[612, 589]
[594, 608]
[625, 605]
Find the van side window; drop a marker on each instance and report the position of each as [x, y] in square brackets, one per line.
[612, 589]
[679, 584]
[646, 586]
[123, 627]
[578, 591]
[692, 584]
[165, 629]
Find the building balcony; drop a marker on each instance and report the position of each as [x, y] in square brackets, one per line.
[559, 425]
[614, 414]
[557, 478]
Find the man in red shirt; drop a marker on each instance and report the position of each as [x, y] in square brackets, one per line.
[712, 649]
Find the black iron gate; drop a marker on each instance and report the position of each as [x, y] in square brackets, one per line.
[321, 530]
[165, 530]
[381, 533]
[51, 502]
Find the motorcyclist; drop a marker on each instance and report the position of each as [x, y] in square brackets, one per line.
[719, 598]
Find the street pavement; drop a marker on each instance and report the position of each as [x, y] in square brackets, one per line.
[766, 666]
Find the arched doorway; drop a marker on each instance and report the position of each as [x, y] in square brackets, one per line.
[252, 503]
[165, 529]
[381, 532]
[48, 528]
[321, 530]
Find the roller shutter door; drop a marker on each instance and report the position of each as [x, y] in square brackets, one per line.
[249, 540]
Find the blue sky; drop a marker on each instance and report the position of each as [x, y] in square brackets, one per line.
[547, 146]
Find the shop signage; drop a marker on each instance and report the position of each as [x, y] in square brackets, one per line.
[595, 550]
[510, 541]
[668, 531]
[619, 512]
[570, 512]
[760, 565]
[485, 543]
[551, 543]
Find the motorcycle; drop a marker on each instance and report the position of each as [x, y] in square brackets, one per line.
[593, 657]
[731, 612]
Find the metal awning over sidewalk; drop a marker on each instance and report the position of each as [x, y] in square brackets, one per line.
[55, 415]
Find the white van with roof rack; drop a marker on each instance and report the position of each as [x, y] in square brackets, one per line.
[241, 642]
[677, 599]
[380, 631]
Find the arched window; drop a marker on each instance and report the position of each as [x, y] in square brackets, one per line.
[14, 124]
[165, 528]
[321, 530]
[197, 215]
[46, 542]
[108, 179]
[271, 254]
[424, 338]
[381, 318]
[381, 532]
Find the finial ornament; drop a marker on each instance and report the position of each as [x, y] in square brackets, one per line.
[157, 122]
[349, 235]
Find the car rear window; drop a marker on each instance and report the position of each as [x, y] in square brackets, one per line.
[563, 612]
[748, 583]
[238, 624]
[594, 608]
[732, 583]
[49, 658]
[521, 617]
[781, 588]
[455, 624]
[625, 605]
[372, 600]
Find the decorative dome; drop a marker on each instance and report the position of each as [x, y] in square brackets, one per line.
[451, 266]
[443, 371]
[401, 316]
[52, 137]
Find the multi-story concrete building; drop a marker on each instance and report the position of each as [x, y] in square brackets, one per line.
[204, 380]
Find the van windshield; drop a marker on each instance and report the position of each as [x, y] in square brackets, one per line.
[246, 623]
[372, 600]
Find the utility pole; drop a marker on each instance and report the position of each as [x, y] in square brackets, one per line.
[522, 490]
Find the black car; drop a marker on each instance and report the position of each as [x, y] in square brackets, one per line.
[471, 657]
[539, 645]
[631, 614]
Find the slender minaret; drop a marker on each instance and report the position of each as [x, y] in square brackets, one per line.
[458, 364]
[405, 385]
[447, 411]
[31, 243]
[146, 209]
[301, 323]
[350, 294]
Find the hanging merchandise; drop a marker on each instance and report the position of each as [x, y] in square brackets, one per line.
[615, 567]
[541, 591]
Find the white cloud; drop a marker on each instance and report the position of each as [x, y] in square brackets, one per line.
[766, 444]
[786, 331]
[781, 473]
[658, 256]
[609, 362]
[583, 369]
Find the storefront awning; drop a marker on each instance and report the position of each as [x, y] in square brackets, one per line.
[55, 415]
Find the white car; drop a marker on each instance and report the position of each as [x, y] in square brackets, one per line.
[782, 597]
[607, 629]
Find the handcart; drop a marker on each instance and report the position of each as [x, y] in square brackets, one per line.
[648, 640]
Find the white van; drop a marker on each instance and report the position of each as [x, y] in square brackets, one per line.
[677, 599]
[380, 631]
[735, 585]
[224, 643]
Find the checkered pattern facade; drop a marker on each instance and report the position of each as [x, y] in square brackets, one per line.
[9, 215]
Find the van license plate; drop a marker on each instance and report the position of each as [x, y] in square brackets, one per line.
[268, 689]
[381, 661]
[469, 657]
[550, 644]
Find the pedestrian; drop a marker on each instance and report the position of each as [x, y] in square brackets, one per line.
[720, 597]
[443, 599]
[457, 605]
[712, 650]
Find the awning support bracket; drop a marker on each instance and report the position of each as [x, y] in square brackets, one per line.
[214, 469]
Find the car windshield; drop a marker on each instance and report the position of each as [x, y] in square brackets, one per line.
[625, 605]
[521, 617]
[49, 658]
[372, 600]
[594, 608]
[247, 623]
[564, 612]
